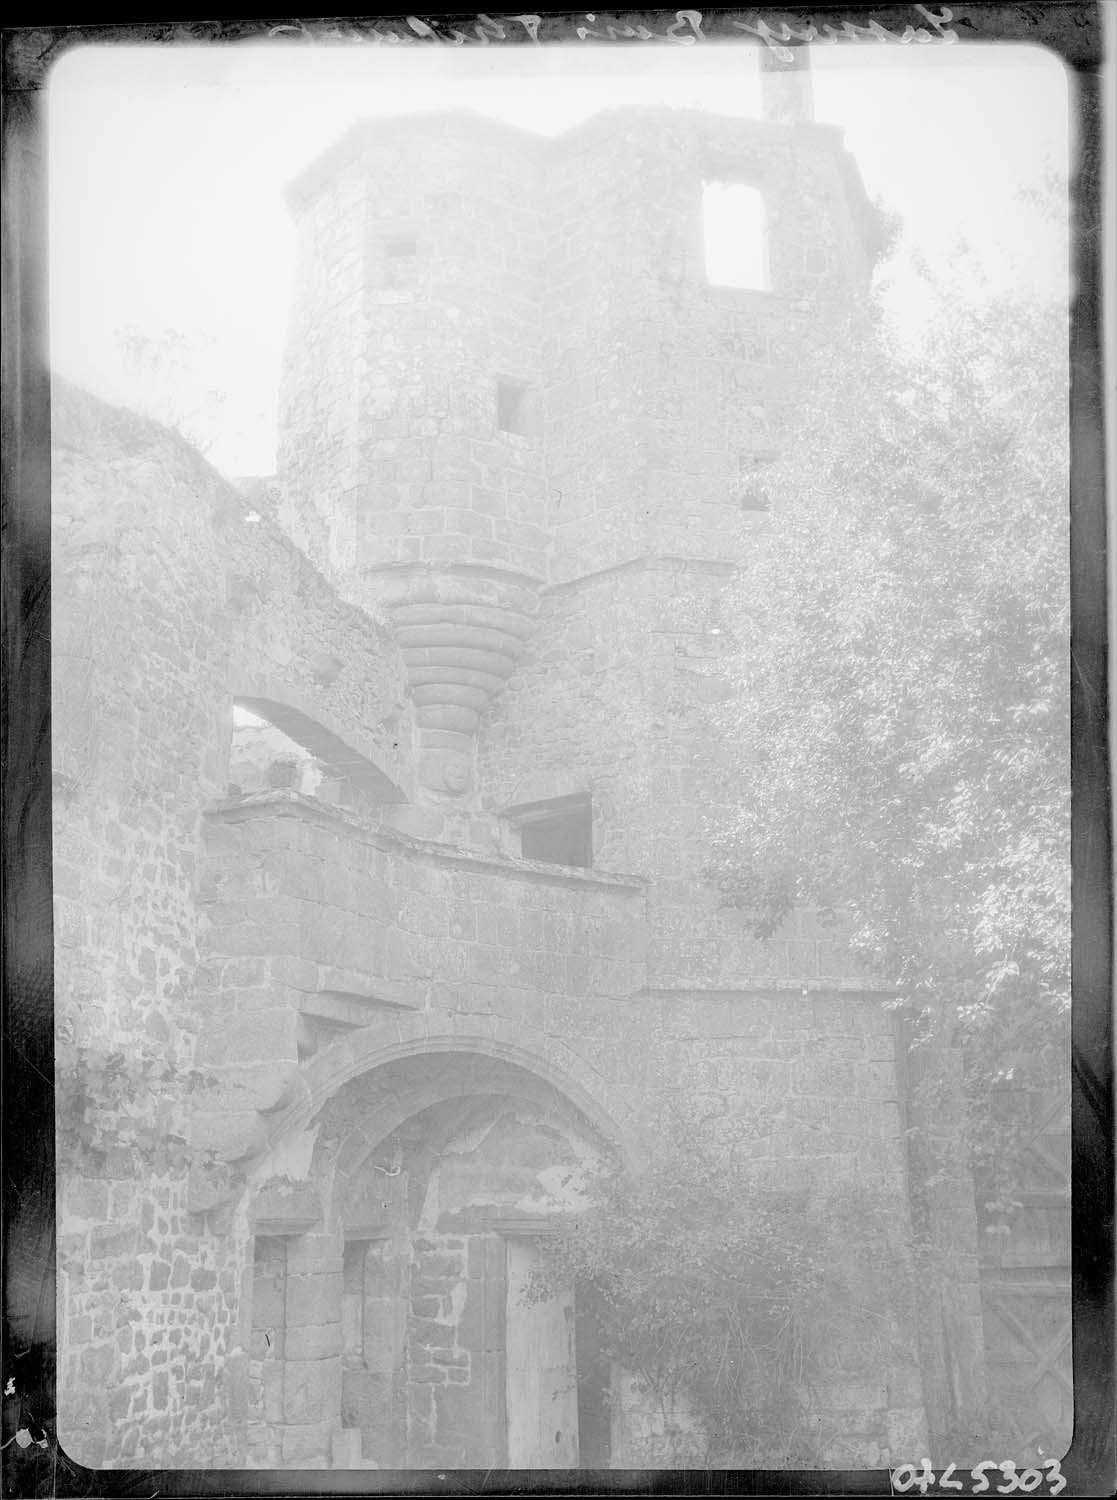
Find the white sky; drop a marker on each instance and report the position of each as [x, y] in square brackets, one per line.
[167, 167]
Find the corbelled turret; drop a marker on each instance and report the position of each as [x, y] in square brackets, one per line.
[510, 363]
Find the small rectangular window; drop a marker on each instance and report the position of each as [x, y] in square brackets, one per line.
[753, 487]
[735, 235]
[561, 837]
[511, 405]
[396, 246]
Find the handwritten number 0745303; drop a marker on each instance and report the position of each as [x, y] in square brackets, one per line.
[908, 1477]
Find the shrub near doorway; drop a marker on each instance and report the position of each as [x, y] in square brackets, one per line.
[734, 1308]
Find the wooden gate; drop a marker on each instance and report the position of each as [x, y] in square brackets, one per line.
[1026, 1292]
[542, 1387]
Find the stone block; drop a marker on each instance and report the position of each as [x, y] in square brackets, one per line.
[313, 1299]
[481, 1327]
[452, 1358]
[792, 1013]
[877, 1080]
[111, 1240]
[315, 1341]
[309, 1443]
[128, 1276]
[458, 1412]
[345, 1449]
[97, 1363]
[260, 1036]
[271, 1390]
[207, 1186]
[283, 1201]
[297, 973]
[437, 1266]
[311, 1390]
[835, 962]
[236, 1386]
[119, 1402]
[439, 1456]
[818, 1075]
[85, 1200]
[268, 1302]
[232, 1134]
[313, 1254]
[430, 1335]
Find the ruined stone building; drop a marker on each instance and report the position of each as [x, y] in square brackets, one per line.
[378, 815]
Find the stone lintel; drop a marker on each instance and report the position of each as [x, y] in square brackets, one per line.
[527, 1226]
[287, 1208]
[369, 1229]
[284, 1228]
[348, 1008]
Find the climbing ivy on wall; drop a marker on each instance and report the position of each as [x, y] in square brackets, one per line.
[122, 1106]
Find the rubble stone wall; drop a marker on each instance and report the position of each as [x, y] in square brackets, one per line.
[154, 638]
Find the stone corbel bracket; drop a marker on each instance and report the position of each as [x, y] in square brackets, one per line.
[462, 631]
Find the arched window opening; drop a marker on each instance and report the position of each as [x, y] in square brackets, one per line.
[735, 235]
[280, 744]
[261, 756]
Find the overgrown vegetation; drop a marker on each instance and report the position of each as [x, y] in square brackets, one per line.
[124, 1107]
[900, 706]
[730, 1300]
[899, 720]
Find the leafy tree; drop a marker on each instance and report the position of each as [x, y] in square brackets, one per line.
[901, 718]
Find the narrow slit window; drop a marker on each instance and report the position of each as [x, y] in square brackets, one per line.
[735, 235]
[511, 405]
[754, 484]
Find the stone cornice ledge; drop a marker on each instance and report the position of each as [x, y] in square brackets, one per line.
[747, 986]
[288, 804]
[647, 563]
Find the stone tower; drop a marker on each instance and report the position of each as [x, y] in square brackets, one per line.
[507, 370]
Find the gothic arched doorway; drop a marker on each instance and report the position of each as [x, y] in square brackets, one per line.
[439, 1171]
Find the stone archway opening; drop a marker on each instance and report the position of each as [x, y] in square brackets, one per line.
[445, 1171]
[278, 744]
